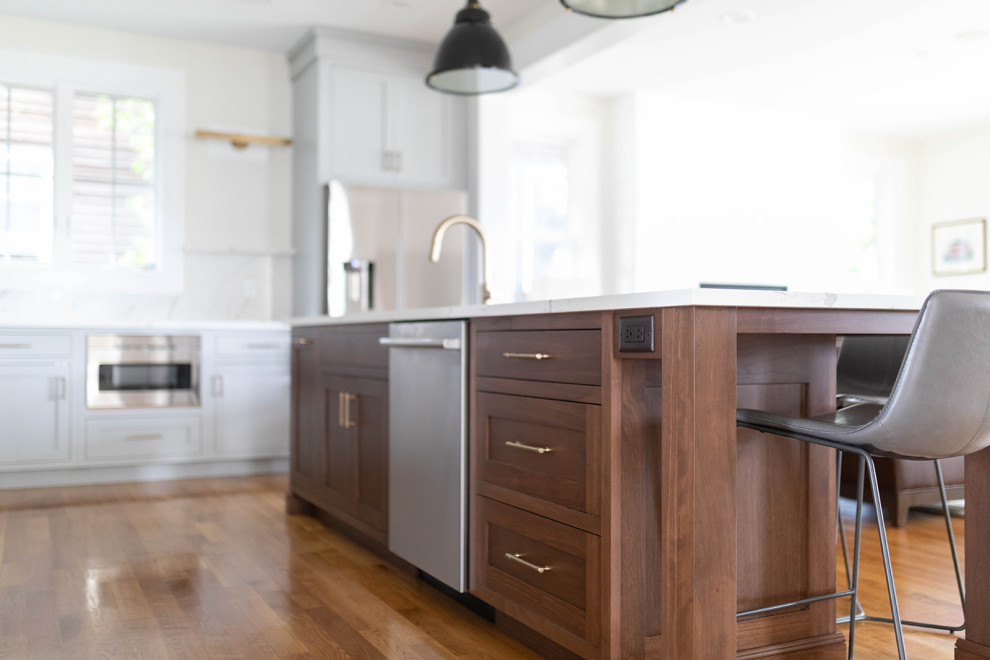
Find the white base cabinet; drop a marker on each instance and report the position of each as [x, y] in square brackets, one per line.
[49, 437]
[250, 388]
[143, 437]
[34, 413]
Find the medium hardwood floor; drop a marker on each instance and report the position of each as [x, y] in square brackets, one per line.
[925, 581]
[215, 569]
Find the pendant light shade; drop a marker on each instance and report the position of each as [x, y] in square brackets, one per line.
[620, 8]
[472, 58]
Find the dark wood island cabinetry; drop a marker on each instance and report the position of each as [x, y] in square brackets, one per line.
[340, 425]
[536, 453]
[615, 510]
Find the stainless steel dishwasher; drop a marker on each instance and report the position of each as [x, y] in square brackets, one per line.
[427, 498]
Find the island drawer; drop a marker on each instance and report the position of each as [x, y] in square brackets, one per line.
[558, 356]
[538, 571]
[542, 448]
[347, 348]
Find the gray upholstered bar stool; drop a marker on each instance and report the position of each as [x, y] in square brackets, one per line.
[865, 373]
[939, 407]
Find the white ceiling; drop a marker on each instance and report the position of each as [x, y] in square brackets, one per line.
[265, 24]
[900, 66]
[896, 66]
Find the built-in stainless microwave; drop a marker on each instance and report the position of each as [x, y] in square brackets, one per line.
[142, 371]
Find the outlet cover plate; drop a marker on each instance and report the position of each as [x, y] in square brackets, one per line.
[636, 334]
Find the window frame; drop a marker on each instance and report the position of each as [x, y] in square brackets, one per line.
[166, 88]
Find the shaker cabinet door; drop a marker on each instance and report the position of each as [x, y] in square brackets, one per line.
[35, 414]
[357, 450]
[359, 149]
[309, 419]
[251, 410]
[391, 129]
[418, 138]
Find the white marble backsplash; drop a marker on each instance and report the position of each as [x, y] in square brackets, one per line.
[217, 288]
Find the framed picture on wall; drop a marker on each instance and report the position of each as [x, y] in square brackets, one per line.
[960, 247]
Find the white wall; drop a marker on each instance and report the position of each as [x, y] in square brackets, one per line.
[954, 185]
[735, 194]
[533, 115]
[237, 207]
[692, 191]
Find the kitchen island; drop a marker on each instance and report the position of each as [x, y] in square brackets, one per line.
[653, 518]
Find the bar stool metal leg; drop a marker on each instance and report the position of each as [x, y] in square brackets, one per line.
[854, 583]
[885, 550]
[841, 532]
[862, 616]
[952, 542]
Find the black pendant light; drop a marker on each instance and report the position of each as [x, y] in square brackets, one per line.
[620, 8]
[472, 58]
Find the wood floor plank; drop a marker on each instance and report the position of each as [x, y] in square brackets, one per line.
[213, 568]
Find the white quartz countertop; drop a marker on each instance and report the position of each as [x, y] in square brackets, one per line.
[70, 324]
[672, 298]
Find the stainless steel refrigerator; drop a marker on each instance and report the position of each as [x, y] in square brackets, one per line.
[378, 245]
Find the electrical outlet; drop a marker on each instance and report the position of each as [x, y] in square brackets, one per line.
[636, 334]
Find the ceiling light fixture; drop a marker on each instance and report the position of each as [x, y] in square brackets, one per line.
[472, 59]
[620, 8]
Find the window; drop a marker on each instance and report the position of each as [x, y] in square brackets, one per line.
[113, 182]
[554, 251]
[91, 175]
[26, 174]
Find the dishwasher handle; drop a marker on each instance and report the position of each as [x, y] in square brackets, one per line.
[420, 342]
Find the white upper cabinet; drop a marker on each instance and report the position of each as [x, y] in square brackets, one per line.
[359, 120]
[391, 129]
[362, 113]
[362, 105]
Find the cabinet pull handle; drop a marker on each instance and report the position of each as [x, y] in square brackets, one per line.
[536, 450]
[398, 161]
[527, 356]
[304, 341]
[62, 385]
[344, 413]
[218, 386]
[387, 161]
[517, 557]
[145, 436]
[15, 345]
[273, 345]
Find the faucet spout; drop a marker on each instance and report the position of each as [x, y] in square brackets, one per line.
[437, 244]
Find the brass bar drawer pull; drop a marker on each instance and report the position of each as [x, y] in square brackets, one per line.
[304, 341]
[516, 557]
[145, 436]
[15, 346]
[536, 450]
[344, 419]
[528, 356]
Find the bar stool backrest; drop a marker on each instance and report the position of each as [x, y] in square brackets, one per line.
[868, 365]
[940, 404]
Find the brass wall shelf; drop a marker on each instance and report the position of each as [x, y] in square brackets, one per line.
[241, 140]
